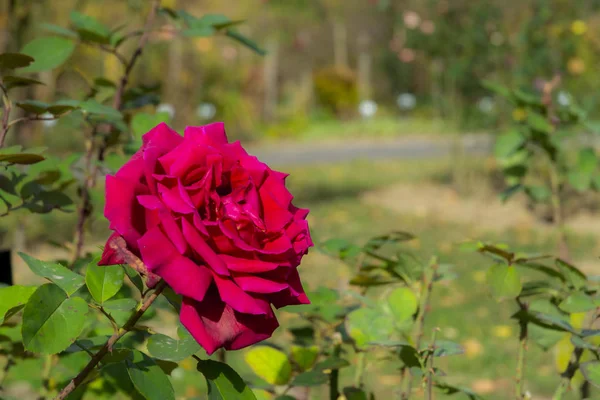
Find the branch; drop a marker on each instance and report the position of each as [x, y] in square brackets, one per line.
[568, 374]
[520, 374]
[105, 129]
[427, 287]
[110, 343]
[5, 115]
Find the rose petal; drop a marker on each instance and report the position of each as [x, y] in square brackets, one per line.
[211, 134]
[239, 300]
[214, 324]
[211, 259]
[293, 296]
[158, 141]
[248, 266]
[173, 231]
[185, 277]
[150, 202]
[257, 284]
[156, 249]
[125, 214]
[173, 201]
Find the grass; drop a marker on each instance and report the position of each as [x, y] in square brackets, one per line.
[384, 127]
[462, 309]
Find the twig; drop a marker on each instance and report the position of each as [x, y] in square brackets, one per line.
[568, 374]
[426, 289]
[4, 373]
[523, 337]
[6, 114]
[129, 325]
[117, 104]
[222, 355]
[334, 391]
[360, 369]
[431, 361]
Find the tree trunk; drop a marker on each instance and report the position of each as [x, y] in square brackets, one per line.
[340, 43]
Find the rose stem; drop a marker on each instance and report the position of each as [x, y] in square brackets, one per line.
[91, 173]
[111, 342]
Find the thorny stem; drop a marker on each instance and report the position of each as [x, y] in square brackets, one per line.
[431, 361]
[334, 391]
[92, 172]
[129, 325]
[426, 289]
[523, 337]
[568, 374]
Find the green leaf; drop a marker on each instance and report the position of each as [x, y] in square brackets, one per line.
[63, 277]
[33, 106]
[199, 31]
[508, 143]
[539, 123]
[13, 299]
[148, 378]
[574, 276]
[538, 193]
[505, 281]
[59, 109]
[11, 81]
[270, 364]
[89, 28]
[451, 389]
[353, 393]
[103, 282]
[497, 88]
[393, 237]
[235, 35]
[304, 357]
[403, 303]
[510, 192]
[166, 348]
[14, 60]
[173, 298]
[366, 325]
[23, 158]
[444, 348]
[142, 123]
[136, 279]
[125, 304]
[591, 372]
[93, 107]
[49, 52]
[580, 177]
[51, 320]
[223, 382]
[310, 378]
[59, 30]
[577, 302]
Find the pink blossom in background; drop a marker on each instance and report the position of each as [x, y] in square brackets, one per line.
[217, 225]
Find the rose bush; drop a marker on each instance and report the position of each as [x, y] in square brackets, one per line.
[217, 225]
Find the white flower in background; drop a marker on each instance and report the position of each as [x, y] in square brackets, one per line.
[486, 105]
[411, 19]
[367, 108]
[206, 111]
[166, 107]
[563, 98]
[49, 123]
[406, 101]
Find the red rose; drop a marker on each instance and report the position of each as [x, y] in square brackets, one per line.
[217, 225]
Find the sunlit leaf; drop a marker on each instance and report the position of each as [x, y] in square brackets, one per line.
[270, 364]
[51, 320]
[49, 52]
